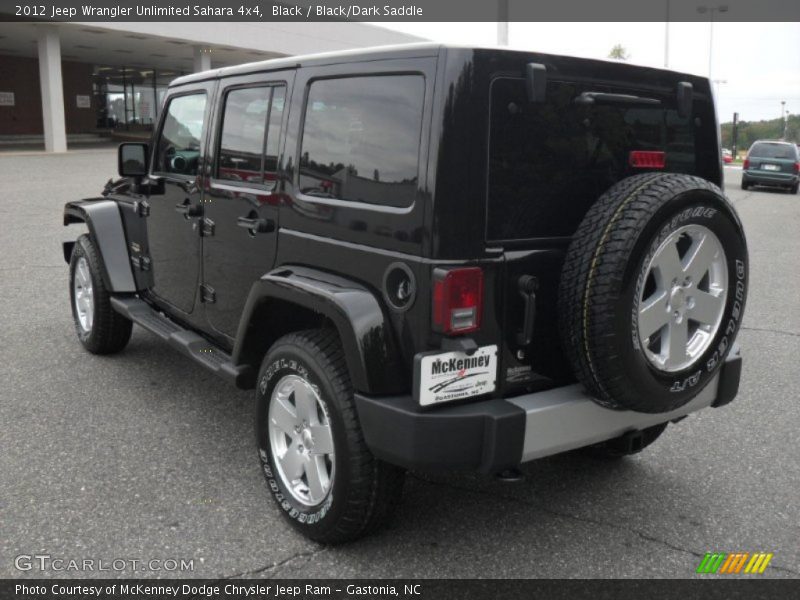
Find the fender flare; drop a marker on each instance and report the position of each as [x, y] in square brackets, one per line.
[104, 221]
[366, 334]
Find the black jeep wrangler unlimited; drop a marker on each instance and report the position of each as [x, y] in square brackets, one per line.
[426, 257]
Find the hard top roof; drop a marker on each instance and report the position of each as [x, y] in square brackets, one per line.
[358, 54]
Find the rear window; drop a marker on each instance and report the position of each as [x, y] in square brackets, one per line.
[773, 150]
[553, 160]
[361, 139]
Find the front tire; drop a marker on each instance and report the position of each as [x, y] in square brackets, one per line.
[100, 328]
[317, 466]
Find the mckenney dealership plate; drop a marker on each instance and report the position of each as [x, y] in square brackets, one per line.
[447, 376]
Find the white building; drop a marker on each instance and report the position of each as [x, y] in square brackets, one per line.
[110, 77]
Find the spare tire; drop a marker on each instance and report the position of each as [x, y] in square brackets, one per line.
[652, 291]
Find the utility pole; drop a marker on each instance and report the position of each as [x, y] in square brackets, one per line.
[666, 39]
[502, 22]
[734, 134]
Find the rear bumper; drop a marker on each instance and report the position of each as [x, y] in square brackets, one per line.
[493, 435]
[769, 177]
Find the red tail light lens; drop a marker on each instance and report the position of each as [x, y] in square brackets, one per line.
[646, 159]
[457, 300]
[797, 167]
[746, 163]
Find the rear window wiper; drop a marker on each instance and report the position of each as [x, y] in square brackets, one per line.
[609, 98]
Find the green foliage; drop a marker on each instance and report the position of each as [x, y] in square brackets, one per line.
[618, 52]
[750, 131]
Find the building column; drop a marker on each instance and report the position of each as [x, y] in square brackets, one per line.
[202, 58]
[55, 130]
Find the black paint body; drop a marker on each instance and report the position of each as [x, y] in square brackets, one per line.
[326, 259]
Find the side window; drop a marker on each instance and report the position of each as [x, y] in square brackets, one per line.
[251, 125]
[242, 137]
[178, 148]
[361, 139]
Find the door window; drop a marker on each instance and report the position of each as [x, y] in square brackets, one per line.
[361, 139]
[251, 125]
[178, 148]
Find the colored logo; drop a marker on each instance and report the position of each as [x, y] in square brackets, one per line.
[734, 562]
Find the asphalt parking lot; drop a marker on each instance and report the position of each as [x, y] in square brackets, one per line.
[145, 455]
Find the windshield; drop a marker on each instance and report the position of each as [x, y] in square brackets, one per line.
[773, 150]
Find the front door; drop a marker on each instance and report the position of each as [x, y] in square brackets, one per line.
[176, 210]
[243, 193]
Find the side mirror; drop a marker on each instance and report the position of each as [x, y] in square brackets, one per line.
[132, 159]
[685, 99]
[536, 82]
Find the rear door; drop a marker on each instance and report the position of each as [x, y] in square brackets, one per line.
[243, 193]
[548, 163]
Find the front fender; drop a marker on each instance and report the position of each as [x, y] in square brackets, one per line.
[365, 333]
[104, 221]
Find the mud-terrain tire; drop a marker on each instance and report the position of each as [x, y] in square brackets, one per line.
[100, 328]
[305, 373]
[625, 445]
[658, 258]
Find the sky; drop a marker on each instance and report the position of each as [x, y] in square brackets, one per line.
[758, 63]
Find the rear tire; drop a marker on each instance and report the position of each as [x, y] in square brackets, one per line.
[794, 188]
[652, 291]
[100, 328]
[745, 184]
[319, 470]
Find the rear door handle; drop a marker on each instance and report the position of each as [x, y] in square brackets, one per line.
[528, 284]
[256, 225]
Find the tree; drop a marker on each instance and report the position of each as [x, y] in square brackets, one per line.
[618, 52]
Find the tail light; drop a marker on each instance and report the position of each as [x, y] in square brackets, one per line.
[646, 159]
[746, 163]
[457, 300]
[797, 167]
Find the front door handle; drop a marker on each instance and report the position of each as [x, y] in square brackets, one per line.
[189, 210]
[256, 225]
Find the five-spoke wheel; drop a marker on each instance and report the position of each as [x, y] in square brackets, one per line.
[301, 439]
[683, 299]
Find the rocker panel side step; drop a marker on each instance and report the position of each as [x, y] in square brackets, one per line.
[185, 341]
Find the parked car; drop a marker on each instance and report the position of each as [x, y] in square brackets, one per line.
[425, 257]
[727, 156]
[772, 163]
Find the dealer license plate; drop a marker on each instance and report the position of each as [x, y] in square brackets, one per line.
[448, 376]
[770, 167]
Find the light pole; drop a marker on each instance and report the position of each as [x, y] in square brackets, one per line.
[722, 8]
[783, 117]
